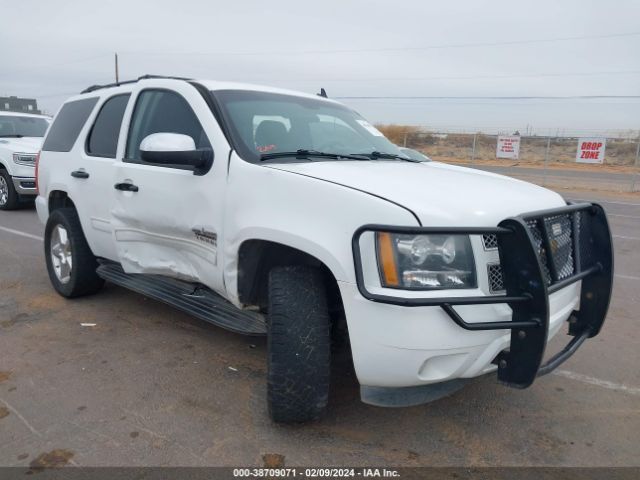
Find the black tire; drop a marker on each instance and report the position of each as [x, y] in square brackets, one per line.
[299, 345]
[82, 279]
[10, 200]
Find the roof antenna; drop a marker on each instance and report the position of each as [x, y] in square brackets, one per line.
[323, 93]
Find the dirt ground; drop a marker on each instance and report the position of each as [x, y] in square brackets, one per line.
[621, 155]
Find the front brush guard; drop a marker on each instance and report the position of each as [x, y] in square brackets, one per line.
[526, 285]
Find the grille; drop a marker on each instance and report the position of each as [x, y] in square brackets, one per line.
[496, 281]
[490, 241]
[560, 231]
[582, 231]
[534, 228]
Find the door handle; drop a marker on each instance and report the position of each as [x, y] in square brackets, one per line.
[126, 187]
[79, 174]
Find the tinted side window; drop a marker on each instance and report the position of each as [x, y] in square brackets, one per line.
[103, 137]
[67, 125]
[164, 111]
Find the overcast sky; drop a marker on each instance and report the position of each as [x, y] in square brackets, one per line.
[50, 49]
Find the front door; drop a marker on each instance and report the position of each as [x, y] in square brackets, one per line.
[168, 222]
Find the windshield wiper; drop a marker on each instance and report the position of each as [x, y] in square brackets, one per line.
[305, 154]
[12, 135]
[376, 155]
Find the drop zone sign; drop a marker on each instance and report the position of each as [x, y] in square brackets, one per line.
[508, 147]
[591, 150]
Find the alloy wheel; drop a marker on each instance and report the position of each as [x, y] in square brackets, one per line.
[4, 191]
[61, 258]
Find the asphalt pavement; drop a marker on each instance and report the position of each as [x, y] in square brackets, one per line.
[569, 178]
[141, 384]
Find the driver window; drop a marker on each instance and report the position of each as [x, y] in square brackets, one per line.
[162, 111]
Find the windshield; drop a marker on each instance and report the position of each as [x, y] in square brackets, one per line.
[16, 126]
[414, 154]
[263, 124]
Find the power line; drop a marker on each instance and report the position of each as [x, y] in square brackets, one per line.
[397, 49]
[56, 95]
[467, 77]
[362, 50]
[407, 104]
[519, 97]
[62, 64]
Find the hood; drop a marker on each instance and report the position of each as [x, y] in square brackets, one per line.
[21, 145]
[439, 194]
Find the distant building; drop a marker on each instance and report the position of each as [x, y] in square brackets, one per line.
[15, 104]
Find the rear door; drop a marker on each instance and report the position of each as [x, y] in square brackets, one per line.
[77, 158]
[171, 224]
[91, 175]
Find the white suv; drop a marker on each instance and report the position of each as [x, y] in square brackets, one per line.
[20, 140]
[270, 212]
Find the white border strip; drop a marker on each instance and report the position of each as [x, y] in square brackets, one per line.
[625, 237]
[22, 234]
[635, 217]
[599, 200]
[627, 277]
[597, 382]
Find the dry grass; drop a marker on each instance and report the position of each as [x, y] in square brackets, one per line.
[458, 148]
[397, 133]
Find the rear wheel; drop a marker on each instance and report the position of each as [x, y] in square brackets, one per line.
[70, 262]
[9, 199]
[299, 344]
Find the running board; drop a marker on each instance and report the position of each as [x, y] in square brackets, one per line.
[194, 299]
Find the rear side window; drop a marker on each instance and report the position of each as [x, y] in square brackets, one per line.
[103, 137]
[67, 125]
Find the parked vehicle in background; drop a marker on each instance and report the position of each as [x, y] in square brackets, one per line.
[271, 212]
[21, 136]
[414, 154]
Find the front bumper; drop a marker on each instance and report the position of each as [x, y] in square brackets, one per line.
[396, 346]
[400, 341]
[25, 185]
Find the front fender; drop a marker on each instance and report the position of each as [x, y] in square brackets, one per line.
[3, 159]
[12, 168]
[309, 214]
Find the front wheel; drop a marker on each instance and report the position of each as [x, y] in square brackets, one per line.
[9, 198]
[299, 344]
[70, 262]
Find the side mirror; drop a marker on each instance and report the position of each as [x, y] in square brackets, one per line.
[175, 149]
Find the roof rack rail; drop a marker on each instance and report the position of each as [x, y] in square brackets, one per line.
[93, 88]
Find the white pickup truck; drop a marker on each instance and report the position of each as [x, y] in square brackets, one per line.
[271, 212]
[20, 140]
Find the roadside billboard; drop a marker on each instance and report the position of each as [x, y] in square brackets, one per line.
[591, 150]
[508, 146]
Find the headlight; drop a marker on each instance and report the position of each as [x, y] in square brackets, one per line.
[425, 262]
[27, 159]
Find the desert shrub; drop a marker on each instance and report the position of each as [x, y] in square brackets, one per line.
[396, 133]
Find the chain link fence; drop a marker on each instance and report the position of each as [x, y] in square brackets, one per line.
[545, 160]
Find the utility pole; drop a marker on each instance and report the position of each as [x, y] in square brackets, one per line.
[117, 74]
[546, 160]
[473, 148]
[637, 165]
